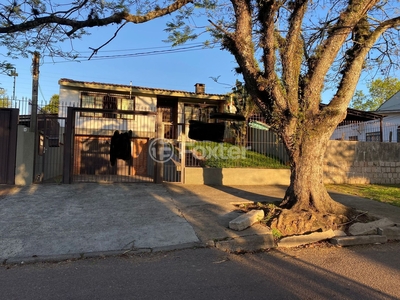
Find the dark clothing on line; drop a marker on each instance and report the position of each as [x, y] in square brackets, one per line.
[120, 146]
[201, 131]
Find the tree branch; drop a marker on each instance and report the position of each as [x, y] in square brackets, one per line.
[292, 54]
[326, 53]
[117, 17]
[95, 50]
[354, 63]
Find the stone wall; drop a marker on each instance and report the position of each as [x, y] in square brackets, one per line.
[362, 162]
[345, 162]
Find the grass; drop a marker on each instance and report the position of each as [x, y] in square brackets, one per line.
[226, 155]
[383, 193]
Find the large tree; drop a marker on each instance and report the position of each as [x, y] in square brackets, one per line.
[287, 51]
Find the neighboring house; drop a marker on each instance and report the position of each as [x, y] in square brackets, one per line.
[383, 125]
[390, 109]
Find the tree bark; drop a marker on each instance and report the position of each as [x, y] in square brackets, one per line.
[307, 206]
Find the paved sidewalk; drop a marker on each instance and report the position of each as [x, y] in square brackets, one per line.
[52, 220]
[210, 208]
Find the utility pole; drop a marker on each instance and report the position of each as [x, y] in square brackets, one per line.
[35, 90]
[14, 74]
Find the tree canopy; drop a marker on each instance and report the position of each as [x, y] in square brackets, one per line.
[379, 90]
[53, 106]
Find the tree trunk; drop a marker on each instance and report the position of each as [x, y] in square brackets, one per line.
[307, 206]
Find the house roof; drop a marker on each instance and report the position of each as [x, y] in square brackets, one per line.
[138, 89]
[360, 115]
[392, 104]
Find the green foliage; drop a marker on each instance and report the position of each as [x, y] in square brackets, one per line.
[6, 68]
[225, 155]
[380, 90]
[52, 107]
[4, 101]
[276, 233]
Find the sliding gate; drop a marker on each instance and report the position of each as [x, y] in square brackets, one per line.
[88, 140]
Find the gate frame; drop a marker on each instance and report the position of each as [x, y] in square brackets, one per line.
[12, 142]
[69, 135]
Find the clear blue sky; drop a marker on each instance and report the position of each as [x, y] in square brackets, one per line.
[177, 71]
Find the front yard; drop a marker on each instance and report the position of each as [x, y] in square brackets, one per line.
[382, 193]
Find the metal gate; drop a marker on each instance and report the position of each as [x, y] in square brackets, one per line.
[8, 144]
[49, 150]
[90, 136]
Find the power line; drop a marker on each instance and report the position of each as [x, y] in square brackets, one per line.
[138, 54]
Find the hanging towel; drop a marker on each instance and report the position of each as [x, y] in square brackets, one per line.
[120, 147]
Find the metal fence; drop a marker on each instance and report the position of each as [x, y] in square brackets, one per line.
[108, 145]
[247, 144]
[370, 131]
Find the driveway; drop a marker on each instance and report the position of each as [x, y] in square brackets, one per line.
[50, 219]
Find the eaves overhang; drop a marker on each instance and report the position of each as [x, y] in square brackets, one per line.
[137, 90]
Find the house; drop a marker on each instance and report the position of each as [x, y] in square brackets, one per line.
[382, 125]
[101, 109]
[390, 109]
[177, 107]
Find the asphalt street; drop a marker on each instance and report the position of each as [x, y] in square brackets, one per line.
[361, 272]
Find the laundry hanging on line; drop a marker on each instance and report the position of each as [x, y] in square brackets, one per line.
[120, 147]
[201, 131]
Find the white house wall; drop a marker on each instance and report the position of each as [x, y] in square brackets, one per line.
[143, 103]
[360, 130]
[141, 125]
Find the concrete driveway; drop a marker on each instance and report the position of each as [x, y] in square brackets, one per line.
[50, 219]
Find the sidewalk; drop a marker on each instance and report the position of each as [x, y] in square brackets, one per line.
[50, 220]
[210, 208]
[72, 221]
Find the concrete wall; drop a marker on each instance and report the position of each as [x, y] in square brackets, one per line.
[362, 162]
[24, 158]
[236, 176]
[345, 162]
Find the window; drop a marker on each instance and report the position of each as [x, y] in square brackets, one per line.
[353, 138]
[107, 101]
[398, 134]
[373, 136]
[198, 113]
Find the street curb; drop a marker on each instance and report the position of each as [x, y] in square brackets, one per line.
[98, 254]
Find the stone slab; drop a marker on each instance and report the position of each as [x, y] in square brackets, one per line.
[370, 227]
[359, 240]
[246, 220]
[339, 233]
[298, 240]
[392, 233]
[247, 243]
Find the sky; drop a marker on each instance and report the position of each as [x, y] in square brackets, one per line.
[176, 71]
[119, 62]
